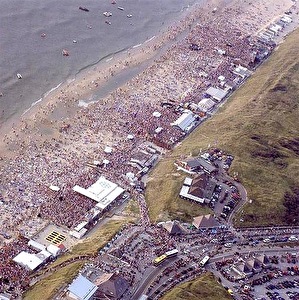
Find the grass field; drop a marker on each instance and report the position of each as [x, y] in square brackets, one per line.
[49, 285]
[259, 126]
[46, 289]
[203, 288]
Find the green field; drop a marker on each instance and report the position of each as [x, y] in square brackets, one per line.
[259, 126]
[203, 288]
[46, 288]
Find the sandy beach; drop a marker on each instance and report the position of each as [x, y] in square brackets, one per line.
[54, 140]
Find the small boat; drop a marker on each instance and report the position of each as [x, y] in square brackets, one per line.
[83, 8]
[129, 16]
[43, 35]
[107, 22]
[120, 8]
[65, 52]
[19, 76]
[74, 41]
[107, 14]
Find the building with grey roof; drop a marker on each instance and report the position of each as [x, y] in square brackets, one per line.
[216, 93]
[81, 289]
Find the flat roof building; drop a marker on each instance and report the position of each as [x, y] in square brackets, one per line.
[186, 121]
[82, 289]
[216, 93]
[206, 104]
[28, 260]
[102, 191]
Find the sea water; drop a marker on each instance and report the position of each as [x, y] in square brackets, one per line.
[33, 34]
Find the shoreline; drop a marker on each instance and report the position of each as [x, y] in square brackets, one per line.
[92, 74]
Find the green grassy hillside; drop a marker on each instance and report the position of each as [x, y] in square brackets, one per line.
[203, 288]
[259, 125]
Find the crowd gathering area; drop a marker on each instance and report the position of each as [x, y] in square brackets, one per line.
[120, 137]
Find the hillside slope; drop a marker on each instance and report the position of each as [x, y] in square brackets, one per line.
[259, 126]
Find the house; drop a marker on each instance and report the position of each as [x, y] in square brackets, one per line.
[199, 190]
[173, 227]
[206, 221]
[199, 164]
[111, 286]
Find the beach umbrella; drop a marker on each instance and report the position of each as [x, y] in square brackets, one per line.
[108, 150]
[156, 114]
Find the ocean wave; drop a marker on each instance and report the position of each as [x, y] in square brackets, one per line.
[42, 98]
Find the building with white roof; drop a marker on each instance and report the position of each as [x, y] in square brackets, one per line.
[102, 191]
[28, 260]
[54, 250]
[186, 121]
[216, 93]
[36, 246]
[206, 104]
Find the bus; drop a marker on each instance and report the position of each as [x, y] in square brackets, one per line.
[158, 260]
[203, 262]
[172, 253]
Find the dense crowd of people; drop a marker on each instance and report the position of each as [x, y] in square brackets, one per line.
[175, 78]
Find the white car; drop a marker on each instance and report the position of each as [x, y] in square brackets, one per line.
[292, 238]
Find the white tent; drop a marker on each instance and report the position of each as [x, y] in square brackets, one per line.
[54, 250]
[206, 104]
[156, 114]
[216, 93]
[36, 246]
[108, 150]
[185, 121]
[106, 161]
[28, 260]
[54, 188]
[158, 129]
[44, 255]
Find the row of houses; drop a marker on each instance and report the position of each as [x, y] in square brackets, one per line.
[247, 268]
[273, 30]
[199, 222]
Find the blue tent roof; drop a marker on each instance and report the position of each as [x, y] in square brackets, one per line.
[82, 288]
